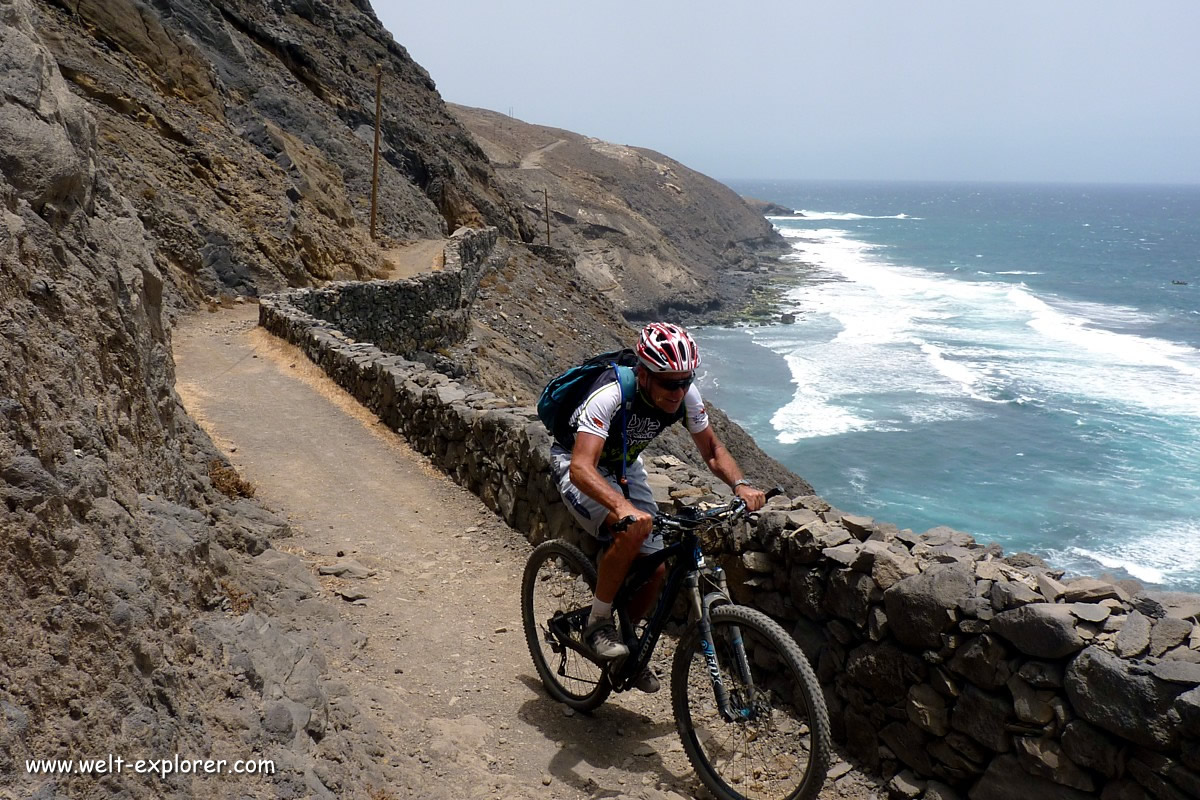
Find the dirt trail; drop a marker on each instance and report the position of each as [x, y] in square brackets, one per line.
[533, 160]
[413, 258]
[445, 672]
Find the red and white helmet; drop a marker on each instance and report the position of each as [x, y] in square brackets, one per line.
[664, 347]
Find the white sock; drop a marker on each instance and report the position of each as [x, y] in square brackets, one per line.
[600, 610]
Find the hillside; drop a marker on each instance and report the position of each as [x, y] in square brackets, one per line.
[658, 238]
[156, 158]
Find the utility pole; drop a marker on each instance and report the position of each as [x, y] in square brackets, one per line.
[546, 194]
[375, 157]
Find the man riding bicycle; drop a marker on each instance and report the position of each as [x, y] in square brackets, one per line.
[588, 474]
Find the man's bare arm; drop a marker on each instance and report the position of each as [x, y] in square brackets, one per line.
[723, 465]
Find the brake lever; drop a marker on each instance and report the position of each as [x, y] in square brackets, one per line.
[623, 523]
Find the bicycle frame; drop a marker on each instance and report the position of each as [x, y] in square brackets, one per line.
[684, 573]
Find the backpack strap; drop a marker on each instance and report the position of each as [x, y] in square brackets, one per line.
[624, 376]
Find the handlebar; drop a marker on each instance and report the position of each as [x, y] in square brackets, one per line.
[692, 518]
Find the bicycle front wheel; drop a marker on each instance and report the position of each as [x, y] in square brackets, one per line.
[556, 598]
[771, 741]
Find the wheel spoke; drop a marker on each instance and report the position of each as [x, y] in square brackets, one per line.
[769, 751]
[556, 591]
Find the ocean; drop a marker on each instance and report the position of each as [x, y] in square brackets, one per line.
[1021, 362]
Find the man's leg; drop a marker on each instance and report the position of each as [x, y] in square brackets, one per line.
[642, 496]
[600, 634]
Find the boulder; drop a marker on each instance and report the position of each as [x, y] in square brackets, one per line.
[806, 587]
[1147, 763]
[1090, 747]
[984, 717]
[1108, 692]
[1187, 705]
[1042, 674]
[849, 595]
[982, 661]
[1159, 786]
[1091, 612]
[906, 786]
[940, 791]
[909, 744]
[927, 710]
[860, 527]
[1031, 706]
[1090, 590]
[885, 670]
[1025, 561]
[946, 535]
[1050, 588]
[1011, 594]
[1167, 633]
[1046, 758]
[1043, 630]
[922, 607]
[890, 567]
[1179, 605]
[845, 554]
[771, 525]
[1005, 779]
[756, 561]
[1134, 637]
[1124, 789]
[1177, 671]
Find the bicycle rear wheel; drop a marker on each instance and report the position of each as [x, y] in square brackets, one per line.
[777, 744]
[556, 598]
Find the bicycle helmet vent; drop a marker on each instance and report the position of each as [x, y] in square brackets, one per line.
[665, 347]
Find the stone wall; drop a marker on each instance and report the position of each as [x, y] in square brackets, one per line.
[424, 313]
[949, 667]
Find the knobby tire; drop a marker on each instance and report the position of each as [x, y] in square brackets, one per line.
[560, 578]
[783, 751]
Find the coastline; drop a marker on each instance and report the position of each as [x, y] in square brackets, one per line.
[1086, 539]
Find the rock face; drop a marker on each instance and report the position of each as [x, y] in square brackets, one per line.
[660, 238]
[242, 134]
[121, 565]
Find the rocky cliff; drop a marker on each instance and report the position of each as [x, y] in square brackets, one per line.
[241, 133]
[658, 238]
[154, 156]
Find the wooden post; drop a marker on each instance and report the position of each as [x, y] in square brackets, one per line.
[375, 157]
[546, 194]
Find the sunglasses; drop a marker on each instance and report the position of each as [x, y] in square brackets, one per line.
[675, 385]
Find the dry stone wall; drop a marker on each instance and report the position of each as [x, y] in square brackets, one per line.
[957, 671]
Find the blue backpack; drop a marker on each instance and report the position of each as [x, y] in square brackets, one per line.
[564, 393]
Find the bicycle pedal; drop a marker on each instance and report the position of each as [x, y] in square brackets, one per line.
[556, 646]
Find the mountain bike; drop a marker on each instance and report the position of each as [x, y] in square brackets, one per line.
[746, 702]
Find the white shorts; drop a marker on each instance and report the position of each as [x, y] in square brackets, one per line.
[590, 513]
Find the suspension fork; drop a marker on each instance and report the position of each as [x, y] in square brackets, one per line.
[701, 610]
[735, 632]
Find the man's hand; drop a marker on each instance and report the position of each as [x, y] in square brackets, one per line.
[755, 498]
[643, 524]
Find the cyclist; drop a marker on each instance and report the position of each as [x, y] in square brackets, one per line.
[588, 470]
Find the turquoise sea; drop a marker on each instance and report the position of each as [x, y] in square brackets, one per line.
[1021, 362]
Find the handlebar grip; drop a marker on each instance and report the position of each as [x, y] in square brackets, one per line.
[623, 523]
[778, 490]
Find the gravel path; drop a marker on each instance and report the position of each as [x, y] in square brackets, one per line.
[444, 672]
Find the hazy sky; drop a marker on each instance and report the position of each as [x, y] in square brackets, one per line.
[1052, 90]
